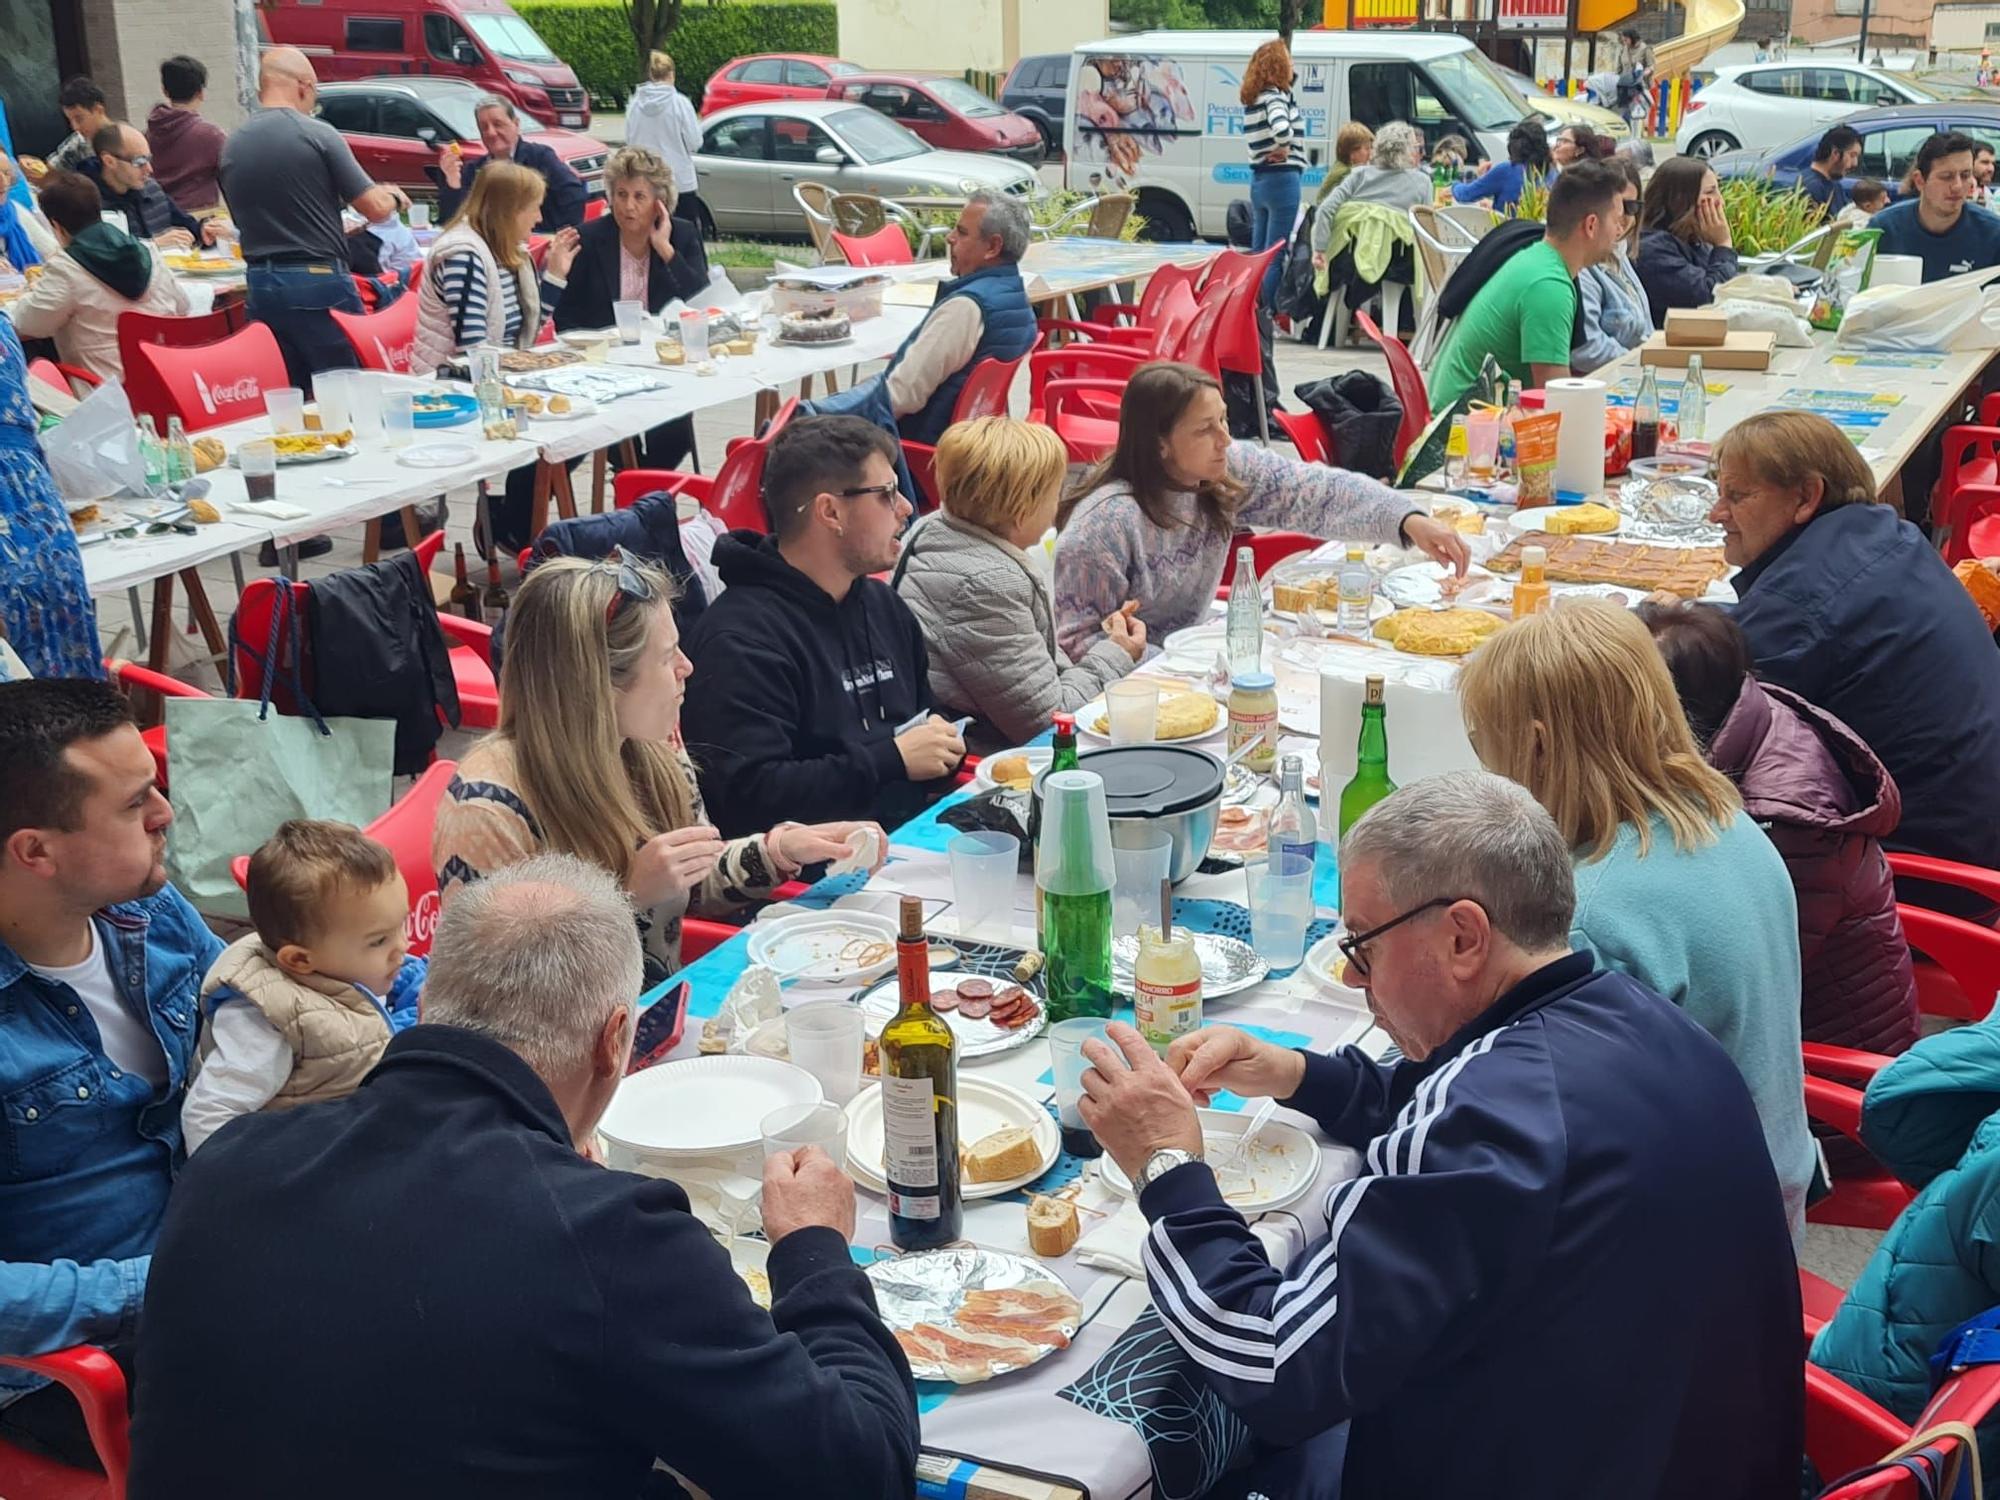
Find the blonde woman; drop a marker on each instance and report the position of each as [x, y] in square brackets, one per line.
[660, 118]
[977, 578]
[588, 761]
[1675, 886]
[1353, 146]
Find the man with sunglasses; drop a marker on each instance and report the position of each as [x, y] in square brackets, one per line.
[1561, 1265]
[810, 699]
[123, 169]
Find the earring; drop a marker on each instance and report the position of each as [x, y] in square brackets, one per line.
[840, 531]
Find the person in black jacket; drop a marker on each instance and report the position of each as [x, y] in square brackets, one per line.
[811, 698]
[123, 172]
[550, 1327]
[1685, 247]
[500, 134]
[637, 252]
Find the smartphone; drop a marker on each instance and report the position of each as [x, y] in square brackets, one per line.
[658, 1028]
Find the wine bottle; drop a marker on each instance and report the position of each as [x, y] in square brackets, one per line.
[1371, 781]
[919, 1102]
[1062, 757]
[464, 597]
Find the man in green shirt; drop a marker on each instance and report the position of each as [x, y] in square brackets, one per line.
[1525, 315]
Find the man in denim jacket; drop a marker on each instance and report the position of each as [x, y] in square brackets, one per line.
[101, 964]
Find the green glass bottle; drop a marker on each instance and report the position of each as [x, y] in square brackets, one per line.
[1371, 781]
[1062, 758]
[1077, 875]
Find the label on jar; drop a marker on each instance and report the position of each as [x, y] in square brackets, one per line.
[1166, 1010]
[1257, 724]
[909, 1126]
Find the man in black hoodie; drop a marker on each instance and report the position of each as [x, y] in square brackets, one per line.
[811, 693]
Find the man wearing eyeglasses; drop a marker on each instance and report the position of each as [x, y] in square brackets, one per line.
[124, 172]
[1562, 1264]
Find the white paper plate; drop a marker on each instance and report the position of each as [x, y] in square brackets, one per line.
[1324, 960]
[436, 455]
[696, 1106]
[1536, 518]
[977, 1040]
[983, 1107]
[1278, 1170]
[809, 946]
[1193, 648]
[1421, 586]
[1091, 712]
[752, 1258]
[1039, 757]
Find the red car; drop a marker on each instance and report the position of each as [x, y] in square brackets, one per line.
[772, 75]
[946, 113]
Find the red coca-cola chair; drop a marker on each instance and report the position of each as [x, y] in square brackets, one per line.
[384, 340]
[210, 384]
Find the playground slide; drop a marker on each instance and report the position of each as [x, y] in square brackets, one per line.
[1710, 24]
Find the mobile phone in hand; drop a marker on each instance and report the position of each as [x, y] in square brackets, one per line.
[658, 1028]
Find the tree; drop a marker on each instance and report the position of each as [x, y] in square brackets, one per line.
[1288, 19]
[650, 21]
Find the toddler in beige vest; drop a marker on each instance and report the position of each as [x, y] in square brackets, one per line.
[302, 1009]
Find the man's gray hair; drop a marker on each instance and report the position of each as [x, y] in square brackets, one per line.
[536, 956]
[493, 101]
[1007, 217]
[1472, 836]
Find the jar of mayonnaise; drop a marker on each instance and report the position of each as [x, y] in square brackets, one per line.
[1166, 986]
[1253, 715]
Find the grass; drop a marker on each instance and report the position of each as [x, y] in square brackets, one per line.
[758, 253]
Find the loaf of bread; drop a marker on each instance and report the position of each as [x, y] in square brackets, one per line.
[1003, 1154]
[1052, 1226]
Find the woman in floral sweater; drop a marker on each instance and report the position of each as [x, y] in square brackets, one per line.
[588, 761]
[1155, 519]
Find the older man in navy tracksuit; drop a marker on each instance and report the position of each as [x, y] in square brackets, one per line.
[1563, 1269]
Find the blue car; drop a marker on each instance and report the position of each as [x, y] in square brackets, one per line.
[1889, 141]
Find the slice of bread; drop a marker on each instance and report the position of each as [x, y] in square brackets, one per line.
[1003, 1154]
[1052, 1226]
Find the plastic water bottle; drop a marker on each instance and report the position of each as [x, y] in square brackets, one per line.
[1293, 829]
[1356, 594]
[1245, 621]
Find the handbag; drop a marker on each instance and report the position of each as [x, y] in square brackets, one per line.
[235, 771]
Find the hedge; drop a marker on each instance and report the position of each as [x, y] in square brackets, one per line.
[592, 37]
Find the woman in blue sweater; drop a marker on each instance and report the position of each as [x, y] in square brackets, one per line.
[1675, 886]
[1502, 181]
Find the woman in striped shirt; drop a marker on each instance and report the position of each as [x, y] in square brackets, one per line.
[1275, 135]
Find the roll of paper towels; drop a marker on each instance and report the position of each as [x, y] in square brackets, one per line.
[1897, 270]
[1580, 439]
[1426, 735]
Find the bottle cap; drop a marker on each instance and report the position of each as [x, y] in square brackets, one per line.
[1065, 723]
[1354, 553]
[1256, 682]
[1371, 692]
[1534, 557]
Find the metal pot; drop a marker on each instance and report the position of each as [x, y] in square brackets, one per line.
[1168, 786]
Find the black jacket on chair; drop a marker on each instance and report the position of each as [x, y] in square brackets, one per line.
[593, 279]
[378, 652]
[422, 1292]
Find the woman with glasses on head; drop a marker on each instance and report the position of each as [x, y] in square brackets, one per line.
[1616, 318]
[1675, 885]
[587, 760]
[1685, 249]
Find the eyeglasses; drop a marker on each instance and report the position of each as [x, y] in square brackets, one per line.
[887, 493]
[1351, 945]
[1631, 207]
[141, 160]
[631, 586]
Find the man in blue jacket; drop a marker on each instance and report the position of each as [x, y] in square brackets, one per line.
[1563, 1268]
[500, 134]
[101, 963]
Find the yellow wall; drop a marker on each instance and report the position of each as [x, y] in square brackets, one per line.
[933, 36]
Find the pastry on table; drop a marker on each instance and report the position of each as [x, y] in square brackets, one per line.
[1581, 520]
[1437, 632]
[1687, 571]
[209, 454]
[1012, 771]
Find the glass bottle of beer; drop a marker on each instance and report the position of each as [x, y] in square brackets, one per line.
[464, 597]
[1371, 781]
[1646, 416]
[494, 604]
[919, 1102]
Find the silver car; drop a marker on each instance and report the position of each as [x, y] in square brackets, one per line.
[753, 154]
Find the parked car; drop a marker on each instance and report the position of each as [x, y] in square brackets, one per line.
[396, 125]
[772, 75]
[1036, 89]
[480, 41]
[1889, 141]
[753, 155]
[947, 113]
[1772, 101]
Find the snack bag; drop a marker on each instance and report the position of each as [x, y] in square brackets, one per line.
[1848, 271]
[1535, 457]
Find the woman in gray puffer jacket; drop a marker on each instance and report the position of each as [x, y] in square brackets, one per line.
[978, 579]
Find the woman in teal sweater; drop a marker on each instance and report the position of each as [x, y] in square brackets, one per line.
[1675, 886]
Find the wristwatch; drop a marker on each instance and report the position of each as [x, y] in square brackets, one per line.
[1162, 1162]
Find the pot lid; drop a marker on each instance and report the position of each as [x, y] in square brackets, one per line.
[1151, 781]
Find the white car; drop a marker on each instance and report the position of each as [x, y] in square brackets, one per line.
[1765, 104]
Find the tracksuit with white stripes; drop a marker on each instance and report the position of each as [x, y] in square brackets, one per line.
[1564, 1270]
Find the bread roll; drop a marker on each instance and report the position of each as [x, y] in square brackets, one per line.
[1003, 1154]
[1052, 1226]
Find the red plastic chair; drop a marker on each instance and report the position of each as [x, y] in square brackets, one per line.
[1155, 337]
[1406, 380]
[1967, 491]
[384, 340]
[984, 394]
[1819, 1300]
[94, 1379]
[406, 831]
[1846, 1431]
[596, 208]
[734, 492]
[887, 246]
[1106, 367]
[1867, 1197]
[142, 388]
[1147, 308]
[1240, 345]
[213, 383]
[66, 380]
[1959, 971]
[1267, 550]
[132, 676]
[1308, 435]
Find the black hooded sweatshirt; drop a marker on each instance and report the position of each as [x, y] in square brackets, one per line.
[795, 701]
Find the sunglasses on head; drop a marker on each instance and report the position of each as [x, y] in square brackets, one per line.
[631, 586]
[1351, 945]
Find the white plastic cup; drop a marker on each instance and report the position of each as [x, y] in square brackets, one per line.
[336, 406]
[1068, 1065]
[631, 320]
[399, 417]
[694, 334]
[1281, 908]
[1134, 711]
[364, 403]
[1141, 862]
[257, 458]
[286, 408]
[420, 215]
[794, 1125]
[984, 868]
[825, 1039]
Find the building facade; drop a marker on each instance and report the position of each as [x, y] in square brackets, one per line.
[987, 36]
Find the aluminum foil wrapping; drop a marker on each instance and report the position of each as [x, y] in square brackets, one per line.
[1670, 510]
[921, 1297]
[598, 383]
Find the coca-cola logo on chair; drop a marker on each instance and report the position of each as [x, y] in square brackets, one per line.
[420, 926]
[214, 398]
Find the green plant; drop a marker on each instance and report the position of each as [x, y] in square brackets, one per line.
[592, 36]
[1763, 221]
[1534, 200]
[1045, 209]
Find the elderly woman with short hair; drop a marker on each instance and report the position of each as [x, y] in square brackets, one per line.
[978, 579]
[1373, 242]
[639, 252]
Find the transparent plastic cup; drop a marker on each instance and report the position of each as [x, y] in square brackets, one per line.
[1068, 1064]
[399, 417]
[1281, 908]
[984, 867]
[1141, 860]
[825, 1038]
[823, 1125]
[631, 320]
[1134, 711]
[286, 408]
[332, 390]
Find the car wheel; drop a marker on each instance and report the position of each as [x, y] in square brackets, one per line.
[1049, 144]
[1166, 220]
[707, 226]
[1712, 143]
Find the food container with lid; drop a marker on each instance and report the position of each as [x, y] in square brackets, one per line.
[1173, 787]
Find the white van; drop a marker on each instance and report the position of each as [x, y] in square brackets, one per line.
[1157, 112]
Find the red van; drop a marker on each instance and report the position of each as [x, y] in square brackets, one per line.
[481, 41]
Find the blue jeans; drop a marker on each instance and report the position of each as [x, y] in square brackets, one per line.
[293, 300]
[869, 400]
[1274, 206]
